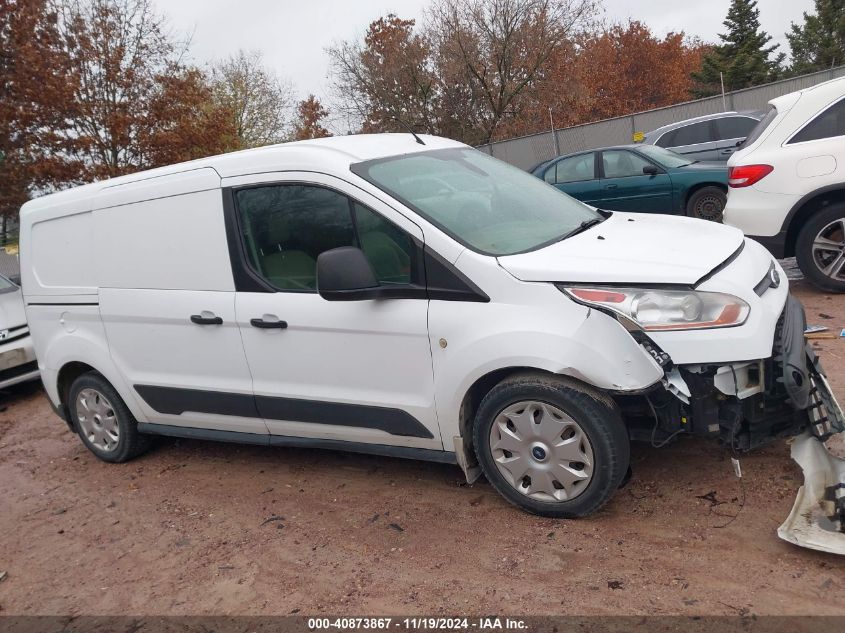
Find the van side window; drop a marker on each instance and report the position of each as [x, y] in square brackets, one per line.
[828, 124]
[286, 227]
[390, 250]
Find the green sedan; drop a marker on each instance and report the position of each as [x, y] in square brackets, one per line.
[643, 178]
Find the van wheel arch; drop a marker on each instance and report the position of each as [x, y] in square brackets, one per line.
[482, 386]
[67, 374]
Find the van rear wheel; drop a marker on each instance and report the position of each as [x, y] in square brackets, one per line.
[820, 249]
[103, 421]
[551, 445]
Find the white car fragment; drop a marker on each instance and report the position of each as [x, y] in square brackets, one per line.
[816, 520]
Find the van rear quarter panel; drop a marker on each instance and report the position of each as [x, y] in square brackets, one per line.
[161, 233]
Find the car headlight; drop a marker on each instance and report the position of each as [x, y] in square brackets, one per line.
[661, 310]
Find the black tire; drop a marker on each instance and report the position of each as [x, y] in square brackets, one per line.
[707, 203]
[593, 411]
[810, 265]
[130, 442]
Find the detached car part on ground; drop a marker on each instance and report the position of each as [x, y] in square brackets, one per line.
[409, 296]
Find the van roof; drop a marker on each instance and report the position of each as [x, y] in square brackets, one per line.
[332, 155]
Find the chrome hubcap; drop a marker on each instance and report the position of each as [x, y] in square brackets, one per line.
[709, 208]
[829, 249]
[541, 451]
[97, 419]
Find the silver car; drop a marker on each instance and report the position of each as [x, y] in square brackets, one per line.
[707, 138]
[17, 355]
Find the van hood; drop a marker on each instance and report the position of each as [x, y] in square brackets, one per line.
[633, 248]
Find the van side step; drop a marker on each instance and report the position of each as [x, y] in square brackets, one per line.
[236, 437]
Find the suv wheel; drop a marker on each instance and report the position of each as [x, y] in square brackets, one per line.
[707, 203]
[551, 445]
[820, 249]
[104, 423]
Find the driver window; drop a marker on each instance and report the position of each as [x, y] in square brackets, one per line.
[286, 227]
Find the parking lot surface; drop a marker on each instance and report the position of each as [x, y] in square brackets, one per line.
[202, 528]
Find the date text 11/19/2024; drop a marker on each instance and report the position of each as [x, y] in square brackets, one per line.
[418, 624]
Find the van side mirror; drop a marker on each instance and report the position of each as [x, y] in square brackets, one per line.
[345, 274]
[650, 170]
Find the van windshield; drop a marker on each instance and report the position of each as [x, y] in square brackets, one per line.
[483, 203]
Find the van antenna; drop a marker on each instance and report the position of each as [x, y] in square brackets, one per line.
[410, 129]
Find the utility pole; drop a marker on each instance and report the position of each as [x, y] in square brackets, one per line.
[554, 134]
[724, 102]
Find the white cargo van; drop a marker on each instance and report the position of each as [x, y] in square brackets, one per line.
[408, 296]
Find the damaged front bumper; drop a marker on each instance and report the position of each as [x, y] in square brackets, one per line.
[745, 404]
[748, 404]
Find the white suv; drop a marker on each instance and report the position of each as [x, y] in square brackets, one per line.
[335, 294]
[787, 182]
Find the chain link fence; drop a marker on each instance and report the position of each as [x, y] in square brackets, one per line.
[526, 151]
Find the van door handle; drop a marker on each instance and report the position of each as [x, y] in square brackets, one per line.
[267, 325]
[206, 318]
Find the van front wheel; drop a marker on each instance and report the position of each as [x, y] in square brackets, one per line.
[103, 421]
[551, 445]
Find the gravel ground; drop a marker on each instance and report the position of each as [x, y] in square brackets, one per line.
[203, 528]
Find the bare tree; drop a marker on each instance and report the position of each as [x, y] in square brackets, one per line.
[497, 49]
[260, 101]
[386, 83]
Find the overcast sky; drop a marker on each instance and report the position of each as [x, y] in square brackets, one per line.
[293, 34]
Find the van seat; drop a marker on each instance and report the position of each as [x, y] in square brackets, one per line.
[295, 270]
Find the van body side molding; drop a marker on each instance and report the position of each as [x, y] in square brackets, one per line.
[176, 401]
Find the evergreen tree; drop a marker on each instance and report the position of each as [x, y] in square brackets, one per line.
[820, 42]
[743, 57]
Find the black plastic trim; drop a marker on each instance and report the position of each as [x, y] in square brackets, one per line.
[214, 435]
[260, 439]
[176, 401]
[385, 450]
[246, 280]
[775, 244]
[444, 282]
[721, 266]
[18, 370]
[393, 421]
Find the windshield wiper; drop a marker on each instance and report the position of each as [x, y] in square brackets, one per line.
[583, 227]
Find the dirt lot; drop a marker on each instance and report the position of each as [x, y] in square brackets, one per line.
[203, 528]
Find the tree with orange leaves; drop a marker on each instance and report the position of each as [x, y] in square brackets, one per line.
[36, 100]
[310, 124]
[638, 71]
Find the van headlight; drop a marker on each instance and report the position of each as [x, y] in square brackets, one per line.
[657, 310]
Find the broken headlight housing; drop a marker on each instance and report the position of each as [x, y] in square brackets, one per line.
[656, 310]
